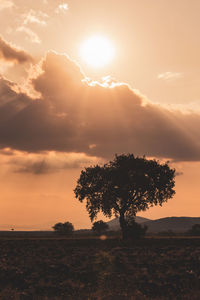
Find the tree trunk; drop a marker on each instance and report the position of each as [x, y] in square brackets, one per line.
[123, 226]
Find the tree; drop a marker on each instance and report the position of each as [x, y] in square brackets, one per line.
[100, 227]
[124, 186]
[64, 228]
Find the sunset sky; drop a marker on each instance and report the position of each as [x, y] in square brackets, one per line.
[83, 80]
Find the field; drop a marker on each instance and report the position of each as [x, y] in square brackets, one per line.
[39, 267]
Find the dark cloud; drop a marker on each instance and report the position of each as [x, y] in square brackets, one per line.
[11, 53]
[39, 167]
[73, 115]
[44, 163]
[7, 152]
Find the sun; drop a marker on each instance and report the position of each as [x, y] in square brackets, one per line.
[97, 51]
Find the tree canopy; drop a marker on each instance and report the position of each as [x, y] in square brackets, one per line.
[124, 186]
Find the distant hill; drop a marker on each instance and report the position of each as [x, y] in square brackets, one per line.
[114, 223]
[176, 224]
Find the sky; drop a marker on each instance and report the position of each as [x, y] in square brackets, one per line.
[59, 113]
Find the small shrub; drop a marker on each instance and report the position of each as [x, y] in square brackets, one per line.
[135, 230]
[64, 228]
[100, 227]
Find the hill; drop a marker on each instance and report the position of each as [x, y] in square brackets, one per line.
[176, 224]
[114, 223]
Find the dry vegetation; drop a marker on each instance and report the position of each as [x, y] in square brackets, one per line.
[39, 268]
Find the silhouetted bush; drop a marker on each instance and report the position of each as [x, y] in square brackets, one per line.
[64, 228]
[100, 227]
[135, 230]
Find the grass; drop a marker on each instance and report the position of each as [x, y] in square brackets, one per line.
[89, 268]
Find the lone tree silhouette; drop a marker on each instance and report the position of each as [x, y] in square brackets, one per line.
[100, 227]
[124, 186]
[64, 228]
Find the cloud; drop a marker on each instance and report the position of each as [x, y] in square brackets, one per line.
[187, 108]
[7, 151]
[46, 163]
[32, 36]
[62, 8]
[76, 115]
[170, 76]
[33, 17]
[6, 4]
[10, 53]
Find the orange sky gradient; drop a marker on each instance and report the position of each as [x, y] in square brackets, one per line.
[59, 114]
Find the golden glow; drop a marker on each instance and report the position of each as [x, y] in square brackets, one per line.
[97, 51]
